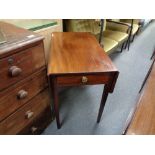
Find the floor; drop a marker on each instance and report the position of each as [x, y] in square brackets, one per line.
[79, 106]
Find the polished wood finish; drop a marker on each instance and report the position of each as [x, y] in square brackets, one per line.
[147, 75]
[76, 58]
[77, 52]
[86, 80]
[17, 39]
[25, 115]
[153, 54]
[20, 65]
[143, 121]
[23, 75]
[10, 99]
[39, 123]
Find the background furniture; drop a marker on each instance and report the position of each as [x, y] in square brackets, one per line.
[116, 31]
[143, 122]
[111, 38]
[24, 99]
[147, 75]
[76, 59]
[43, 27]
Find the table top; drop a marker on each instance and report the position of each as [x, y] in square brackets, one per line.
[143, 121]
[77, 52]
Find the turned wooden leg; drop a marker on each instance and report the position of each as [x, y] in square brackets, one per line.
[103, 101]
[56, 104]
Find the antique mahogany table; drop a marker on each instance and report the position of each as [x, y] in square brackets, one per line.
[75, 59]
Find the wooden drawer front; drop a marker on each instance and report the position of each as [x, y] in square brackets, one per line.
[39, 123]
[25, 115]
[82, 80]
[20, 65]
[20, 93]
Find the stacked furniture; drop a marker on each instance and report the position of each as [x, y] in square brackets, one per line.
[24, 98]
[111, 38]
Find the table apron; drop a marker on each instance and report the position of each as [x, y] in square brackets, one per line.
[83, 80]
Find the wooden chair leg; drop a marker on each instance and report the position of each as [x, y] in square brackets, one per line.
[126, 44]
[133, 37]
[129, 44]
[122, 47]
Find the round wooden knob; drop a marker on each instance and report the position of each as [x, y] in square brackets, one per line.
[34, 129]
[84, 79]
[22, 94]
[14, 71]
[29, 114]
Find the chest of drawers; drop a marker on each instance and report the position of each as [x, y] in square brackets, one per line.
[24, 97]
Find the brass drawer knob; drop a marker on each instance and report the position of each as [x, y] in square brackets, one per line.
[29, 114]
[84, 79]
[22, 94]
[14, 71]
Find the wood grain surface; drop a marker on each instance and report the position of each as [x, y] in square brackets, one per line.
[9, 100]
[17, 39]
[143, 122]
[77, 52]
[19, 120]
[29, 61]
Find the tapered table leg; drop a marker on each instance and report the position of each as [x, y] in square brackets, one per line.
[56, 104]
[103, 101]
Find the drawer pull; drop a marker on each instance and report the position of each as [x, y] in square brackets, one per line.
[84, 79]
[10, 61]
[22, 94]
[29, 114]
[34, 129]
[14, 71]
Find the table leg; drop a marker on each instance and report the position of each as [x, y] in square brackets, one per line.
[56, 104]
[103, 101]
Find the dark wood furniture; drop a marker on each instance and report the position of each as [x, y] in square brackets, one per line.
[143, 121]
[147, 75]
[149, 71]
[153, 54]
[75, 59]
[24, 98]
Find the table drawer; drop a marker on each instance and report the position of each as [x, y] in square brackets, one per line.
[20, 65]
[17, 95]
[83, 79]
[25, 115]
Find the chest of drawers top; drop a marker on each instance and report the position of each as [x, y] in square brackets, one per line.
[17, 39]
